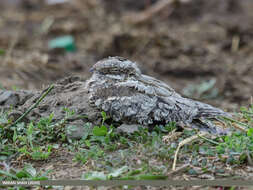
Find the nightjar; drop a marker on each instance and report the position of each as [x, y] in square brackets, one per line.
[118, 87]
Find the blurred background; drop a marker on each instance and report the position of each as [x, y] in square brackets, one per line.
[202, 48]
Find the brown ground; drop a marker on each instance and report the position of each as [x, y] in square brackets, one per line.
[183, 44]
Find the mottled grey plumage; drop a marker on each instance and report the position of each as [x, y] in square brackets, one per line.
[118, 87]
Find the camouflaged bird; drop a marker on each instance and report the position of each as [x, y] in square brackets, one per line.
[118, 87]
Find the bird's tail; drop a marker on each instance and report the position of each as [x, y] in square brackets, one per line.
[208, 126]
[208, 111]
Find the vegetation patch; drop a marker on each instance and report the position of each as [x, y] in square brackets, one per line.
[105, 154]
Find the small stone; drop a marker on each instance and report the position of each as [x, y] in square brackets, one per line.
[4, 96]
[77, 130]
[129, 129]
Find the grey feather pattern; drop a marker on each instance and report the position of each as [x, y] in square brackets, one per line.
[118, 87]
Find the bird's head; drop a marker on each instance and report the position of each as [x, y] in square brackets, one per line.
[116, 66]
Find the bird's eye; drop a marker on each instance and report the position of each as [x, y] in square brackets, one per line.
[131, 74]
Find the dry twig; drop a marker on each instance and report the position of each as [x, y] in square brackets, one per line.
[184, 142]
[178, 169]
[145, 15]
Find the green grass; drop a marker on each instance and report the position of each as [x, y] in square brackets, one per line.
[28, 172]
[2, 52]
[109, 155]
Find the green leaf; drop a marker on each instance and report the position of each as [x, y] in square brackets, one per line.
[44, 174]
[23, 174]
[104, 115]
[135, 172]
[38, 154]
[30, 170]
[23, 150]
[250, 132]
[2, 172]
[40, 178]
[151, 177]
[87, 143]
[14, 138]
[118, 172]
[2, 52]
[100, 131]
[128, 178]
[94, 176]
[87, 131]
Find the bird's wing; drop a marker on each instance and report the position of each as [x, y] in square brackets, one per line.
[141, 103]
[148, 80]
[204, 110]
[133, 101]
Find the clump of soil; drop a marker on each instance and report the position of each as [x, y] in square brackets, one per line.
[68, 93]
